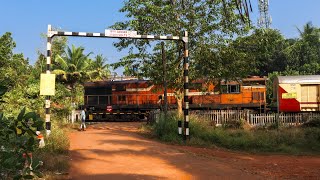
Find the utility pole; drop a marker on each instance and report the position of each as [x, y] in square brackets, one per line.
[164, 63]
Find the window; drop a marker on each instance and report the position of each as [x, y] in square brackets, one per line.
[103, 99]
[98, 90]
[92, 100]
[234, 88]
[120, 88]
[230, 88]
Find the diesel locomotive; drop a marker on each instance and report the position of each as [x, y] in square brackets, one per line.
[133, 99]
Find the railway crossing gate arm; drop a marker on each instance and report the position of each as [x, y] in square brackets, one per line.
[130, 35]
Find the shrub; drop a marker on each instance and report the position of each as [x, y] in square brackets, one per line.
[315, 122]
[312, 137]
[17, 143]
[234, 123]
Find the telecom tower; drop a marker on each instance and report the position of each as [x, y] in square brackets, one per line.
[264, 20]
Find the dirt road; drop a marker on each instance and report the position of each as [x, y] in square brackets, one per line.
[116, 151]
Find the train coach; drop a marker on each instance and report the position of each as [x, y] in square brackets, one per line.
[297, 93]
[133, 98]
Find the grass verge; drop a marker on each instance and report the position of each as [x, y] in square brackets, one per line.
[294, 140]
[55, 154]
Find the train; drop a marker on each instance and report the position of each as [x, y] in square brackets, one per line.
[132, 98]
[297, 93]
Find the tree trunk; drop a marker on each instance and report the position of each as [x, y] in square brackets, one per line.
[179, 102]
[179, 97]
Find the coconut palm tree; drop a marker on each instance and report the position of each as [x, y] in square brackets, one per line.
[304, 53]
[99, 70]
[72, 67]
[309, 33]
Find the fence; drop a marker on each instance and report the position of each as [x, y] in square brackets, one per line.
[154, 116]
[219, 117]
[286, 119]
[74, 116]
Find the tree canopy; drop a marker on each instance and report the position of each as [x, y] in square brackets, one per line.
[221, 46]
[304, 54]
[210, 25]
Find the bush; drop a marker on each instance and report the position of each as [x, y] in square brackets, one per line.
[312, 137]
[17, 143]
[315, 122]
[234, 124]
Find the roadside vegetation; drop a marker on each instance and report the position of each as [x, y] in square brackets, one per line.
[236, 135]
[22, 111]
[55, 155]
[17, 144]
[218, 46]
[21, 157]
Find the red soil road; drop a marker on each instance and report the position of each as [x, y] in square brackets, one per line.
[117, 151]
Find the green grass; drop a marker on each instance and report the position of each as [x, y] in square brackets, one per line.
[299, 140]
[167, 128]
[55, 154]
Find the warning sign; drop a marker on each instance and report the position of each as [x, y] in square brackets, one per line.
[120, 33]
[47, 84]
[289, 95]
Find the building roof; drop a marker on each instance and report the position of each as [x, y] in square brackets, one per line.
[304, 79]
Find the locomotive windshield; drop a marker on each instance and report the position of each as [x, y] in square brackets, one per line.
[230, 88]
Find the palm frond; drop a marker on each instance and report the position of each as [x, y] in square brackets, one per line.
[60, 73]
[62, 63]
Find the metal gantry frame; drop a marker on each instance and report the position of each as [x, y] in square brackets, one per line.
[183, 39]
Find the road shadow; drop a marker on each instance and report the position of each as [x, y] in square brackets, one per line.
[201, 164]
[121, 141]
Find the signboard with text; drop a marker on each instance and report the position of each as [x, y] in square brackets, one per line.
[289, 95]
[120, 33]
[47, 84]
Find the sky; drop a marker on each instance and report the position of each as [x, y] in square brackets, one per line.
[27, 20]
